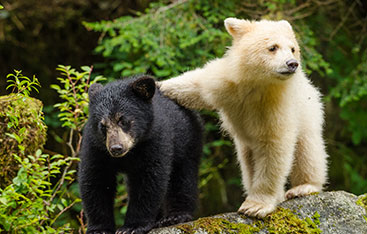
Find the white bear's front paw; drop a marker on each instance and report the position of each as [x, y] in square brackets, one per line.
[256, 208]
[302, 190]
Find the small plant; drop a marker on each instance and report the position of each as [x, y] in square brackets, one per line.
[32, 203]
[22, 84]
[74, 109]
[74, 92]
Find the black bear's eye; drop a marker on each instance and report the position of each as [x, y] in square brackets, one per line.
[293, 49]
[103, 128]
[124, 123]
[273, 48]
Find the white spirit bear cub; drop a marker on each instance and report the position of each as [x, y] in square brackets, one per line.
[269, 107]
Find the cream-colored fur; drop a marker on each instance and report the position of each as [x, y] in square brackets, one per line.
[274, 119]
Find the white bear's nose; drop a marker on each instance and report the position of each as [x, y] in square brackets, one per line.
[292, 65]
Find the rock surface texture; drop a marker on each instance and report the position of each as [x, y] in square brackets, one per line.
[328, 212]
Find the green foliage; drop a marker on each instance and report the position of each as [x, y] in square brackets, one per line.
[32, 203]
[170, 39]
[166, 40]
[37, 195]
[120, 204]
[22, 84]
[313, 60]
[355, 173]
[74, 92]
[351, 93]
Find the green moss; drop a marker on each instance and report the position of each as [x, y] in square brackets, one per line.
[217, 225]
[282, 221]
[285, 221]
[362, 201]
[316, 218]
[21, 117]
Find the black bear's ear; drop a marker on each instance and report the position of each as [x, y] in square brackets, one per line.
[94, 89]
[144, 87]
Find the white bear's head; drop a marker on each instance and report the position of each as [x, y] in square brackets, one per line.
[266, 49]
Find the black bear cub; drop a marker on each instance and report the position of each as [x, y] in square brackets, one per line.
[133, 129]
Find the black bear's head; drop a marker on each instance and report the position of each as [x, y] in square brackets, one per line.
[121, 112]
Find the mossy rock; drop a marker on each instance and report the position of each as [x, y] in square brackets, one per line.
[329, 212]
[362, 201]
[22, 116]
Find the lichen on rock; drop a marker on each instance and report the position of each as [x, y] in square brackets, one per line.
[19, 116]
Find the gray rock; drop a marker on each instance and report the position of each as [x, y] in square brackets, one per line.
[327, 212]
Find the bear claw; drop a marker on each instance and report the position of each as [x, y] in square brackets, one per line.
[134, 230]
[174, 219]
[301, 190]
[256, 209]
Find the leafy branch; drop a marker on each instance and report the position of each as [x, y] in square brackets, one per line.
[74, 109]
[20, 84]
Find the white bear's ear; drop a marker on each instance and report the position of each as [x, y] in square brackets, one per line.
[286, 23]
[237, 27]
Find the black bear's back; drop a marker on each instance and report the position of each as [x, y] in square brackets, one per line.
[185, 125]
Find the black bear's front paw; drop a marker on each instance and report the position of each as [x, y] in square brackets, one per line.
[134, 230]
[174, 219]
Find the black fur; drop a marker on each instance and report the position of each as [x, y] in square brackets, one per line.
[161, 168]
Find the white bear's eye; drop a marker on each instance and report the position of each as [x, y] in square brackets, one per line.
[273, 48]
[293, 49]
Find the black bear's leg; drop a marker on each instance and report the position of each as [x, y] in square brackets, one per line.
[147, 190]
[161, 212]
[182, 194]
[97, 184]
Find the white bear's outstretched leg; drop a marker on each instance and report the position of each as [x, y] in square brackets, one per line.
[309, 171]
[272, 165]
[186, 89]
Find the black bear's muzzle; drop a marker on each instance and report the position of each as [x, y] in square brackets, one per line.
[117, 151]
[118, 142]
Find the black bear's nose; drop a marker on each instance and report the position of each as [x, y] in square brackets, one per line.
[116, 150]
[292, 65]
